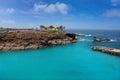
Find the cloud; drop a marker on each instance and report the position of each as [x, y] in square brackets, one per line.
[115, 2]
[10, 10]
[8, 22]
[38, 7]
[52, 8]
[7, 11]
[112, 13]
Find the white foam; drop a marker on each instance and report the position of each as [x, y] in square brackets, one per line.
[88, 35]
[84, 40]
[112, 40]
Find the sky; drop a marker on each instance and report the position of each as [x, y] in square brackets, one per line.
[73, 14]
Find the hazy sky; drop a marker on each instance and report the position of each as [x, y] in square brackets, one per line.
[74, 14]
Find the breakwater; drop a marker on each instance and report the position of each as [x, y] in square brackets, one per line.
[108, 50]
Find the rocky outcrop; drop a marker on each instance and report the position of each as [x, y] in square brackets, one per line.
[95, 39]
[108, 50]
[72, 35]
[32, 39]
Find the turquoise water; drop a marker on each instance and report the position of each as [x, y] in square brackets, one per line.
[69, 62]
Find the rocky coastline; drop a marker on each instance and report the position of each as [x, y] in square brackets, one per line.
[107, 50]
[13, 39]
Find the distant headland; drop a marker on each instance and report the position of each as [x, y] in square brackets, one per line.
[23, 39]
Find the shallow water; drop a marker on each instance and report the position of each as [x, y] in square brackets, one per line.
[69, 62]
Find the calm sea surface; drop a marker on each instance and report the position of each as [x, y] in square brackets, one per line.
[69, 62]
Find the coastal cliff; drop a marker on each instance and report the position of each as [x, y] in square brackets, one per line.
[16, 39]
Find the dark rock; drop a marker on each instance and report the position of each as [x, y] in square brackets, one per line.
[71, 35]
[95, 39]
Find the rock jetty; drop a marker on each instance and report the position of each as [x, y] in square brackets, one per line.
[108, 50]
[23, 39]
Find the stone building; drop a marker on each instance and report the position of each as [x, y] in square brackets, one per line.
[52, 28]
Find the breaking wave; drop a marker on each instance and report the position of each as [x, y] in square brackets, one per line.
[112, 40]
[88, 35]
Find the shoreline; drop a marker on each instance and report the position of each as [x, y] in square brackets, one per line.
[31, 47]
[38, 48]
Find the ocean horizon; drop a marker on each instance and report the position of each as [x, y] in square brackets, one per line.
[76, 61]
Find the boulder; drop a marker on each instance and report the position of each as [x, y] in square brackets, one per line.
[6, 48]
[32, 46]
[59, 41]
[1, 47]
[54, 42]
[18, 48]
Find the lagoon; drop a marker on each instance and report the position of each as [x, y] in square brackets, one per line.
[67, 62]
